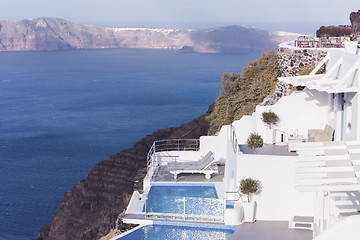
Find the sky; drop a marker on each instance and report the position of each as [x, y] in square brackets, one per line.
[304, 16]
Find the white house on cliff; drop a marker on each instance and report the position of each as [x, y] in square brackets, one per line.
[309, 168]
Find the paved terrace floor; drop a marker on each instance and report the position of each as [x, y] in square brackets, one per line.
[163, 175]
[269, 230]
[268, 149]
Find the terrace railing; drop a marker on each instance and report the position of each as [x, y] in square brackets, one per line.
[323, 42]
[187, 209]
[166, 146]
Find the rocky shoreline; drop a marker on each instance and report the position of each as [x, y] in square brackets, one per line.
[91, 209]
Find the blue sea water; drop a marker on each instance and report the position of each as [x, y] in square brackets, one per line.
[61, 112]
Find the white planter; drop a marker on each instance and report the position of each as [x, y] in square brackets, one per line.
[233, 216]
[249, 211]
[351, 47]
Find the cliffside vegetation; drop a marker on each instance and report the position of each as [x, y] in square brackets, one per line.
[242, 92]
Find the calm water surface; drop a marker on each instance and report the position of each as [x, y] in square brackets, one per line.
[62, 112]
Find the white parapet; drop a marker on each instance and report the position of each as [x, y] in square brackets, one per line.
[134, 203]
[234, 216]
[347, 229]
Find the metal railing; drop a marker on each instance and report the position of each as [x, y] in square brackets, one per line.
[186, 209]
[322, 42]
[166, 146]
[177, 145]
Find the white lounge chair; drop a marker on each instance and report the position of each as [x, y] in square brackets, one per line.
[206, 165]
[173, 164]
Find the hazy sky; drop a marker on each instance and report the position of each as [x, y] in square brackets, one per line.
[271, 14]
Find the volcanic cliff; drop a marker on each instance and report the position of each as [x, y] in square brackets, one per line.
[58, 34]
[91, 209]
[341, 30]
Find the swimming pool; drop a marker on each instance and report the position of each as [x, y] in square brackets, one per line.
[173, 232]
[185, 202]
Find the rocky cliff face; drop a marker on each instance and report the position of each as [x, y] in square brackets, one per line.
[291, 62]
[52, 34]
[225, 39]
[91, 209]
[355, 21]
[334, 31]
[341, 30]
[59, 34]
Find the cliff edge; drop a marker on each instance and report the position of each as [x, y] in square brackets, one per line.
[58, 34]
[91, 209]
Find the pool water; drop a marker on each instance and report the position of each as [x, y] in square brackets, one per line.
[198, 200]
[202, 191]
[170, 232]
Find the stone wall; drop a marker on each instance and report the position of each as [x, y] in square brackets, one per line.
[292, 60]
[290, 63]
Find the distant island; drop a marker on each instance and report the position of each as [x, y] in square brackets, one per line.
[45, 34]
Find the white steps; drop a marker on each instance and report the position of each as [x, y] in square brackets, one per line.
[302, 222]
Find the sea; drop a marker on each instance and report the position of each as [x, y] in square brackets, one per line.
[61, 112]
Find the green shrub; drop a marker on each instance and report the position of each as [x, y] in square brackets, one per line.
[248, 187]
[255, 141]
[353, 37]
[242, 92]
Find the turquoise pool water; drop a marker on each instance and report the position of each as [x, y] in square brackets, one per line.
[170, 198]
[184, 202]
[170, 232]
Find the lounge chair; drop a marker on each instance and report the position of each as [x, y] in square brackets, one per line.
[318, 135]
[187, 163]
[206, 165]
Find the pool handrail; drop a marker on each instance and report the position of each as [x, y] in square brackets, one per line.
[184, 216]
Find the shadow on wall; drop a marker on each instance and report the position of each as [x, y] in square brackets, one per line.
[347, 201]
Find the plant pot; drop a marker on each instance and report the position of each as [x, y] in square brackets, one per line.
[351, 47]
[233, 216]
[249, 211]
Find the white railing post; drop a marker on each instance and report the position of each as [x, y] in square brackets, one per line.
[184, 208]
[145, 207]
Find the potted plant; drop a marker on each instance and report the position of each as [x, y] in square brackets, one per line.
[255, 141]
[249, 187]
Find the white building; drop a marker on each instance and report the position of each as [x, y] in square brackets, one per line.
[321, 183]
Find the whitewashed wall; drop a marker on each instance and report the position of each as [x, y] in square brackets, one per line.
[356, 118]
[245, 126]
[350, 117]
[216, 144]
[300, 111]
[278, 200]
[223, 151]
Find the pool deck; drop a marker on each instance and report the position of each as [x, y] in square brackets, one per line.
[260, 230]
[269, 230]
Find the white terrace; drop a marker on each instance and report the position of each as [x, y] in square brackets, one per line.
[313, 189]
